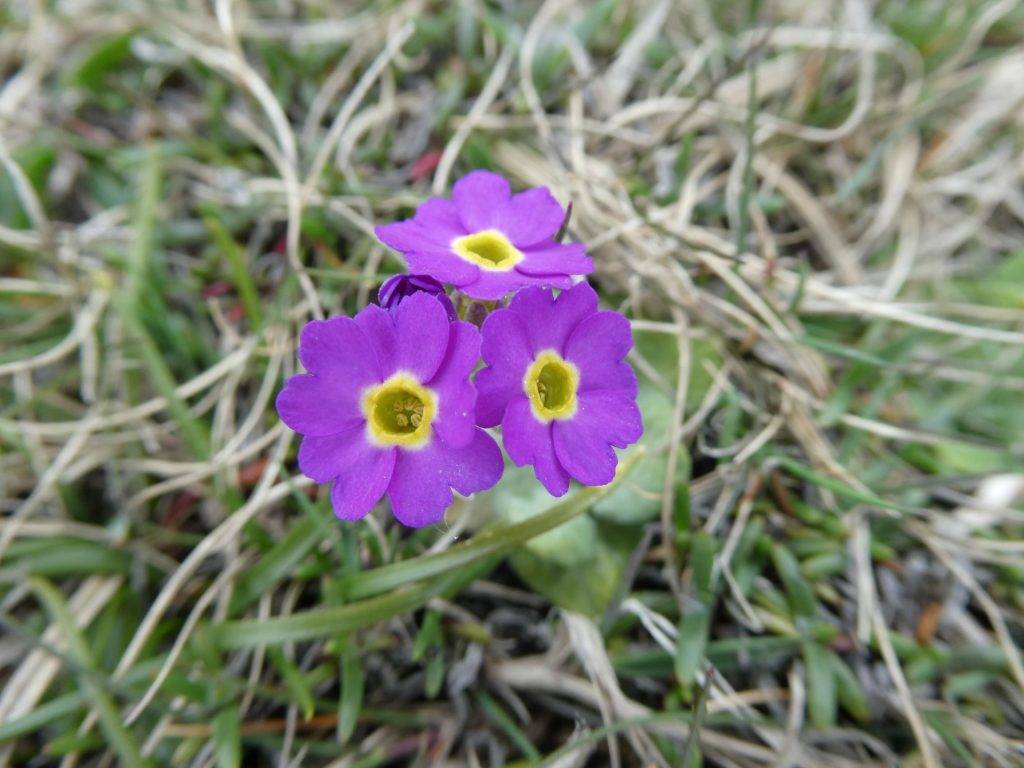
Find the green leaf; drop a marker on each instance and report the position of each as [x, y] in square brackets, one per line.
[434, 678]
[277, 564]
[329, 621]
[498, 539]
[429, 636]
[301, 694]
[519, 497]
[119, 738]
[585, 586]
[801, 597]
[352, 686]
[692, 643]
[967, 458]
[493, 711]
[227, 737]
[821, 684]
[639, 500]
[851, 694]
[108, 55]
[702, 561]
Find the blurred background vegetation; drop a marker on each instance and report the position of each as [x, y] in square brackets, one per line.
[813, 213]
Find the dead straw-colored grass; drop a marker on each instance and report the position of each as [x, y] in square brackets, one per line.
[890, 171]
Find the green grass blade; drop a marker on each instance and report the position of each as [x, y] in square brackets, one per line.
[822, 696]
[119, 738]
[490, 542]
[301, 694]
[352, 687]
[227, 737]
[239, 271]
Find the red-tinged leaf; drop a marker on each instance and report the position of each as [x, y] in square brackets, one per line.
[217, 288]
[425, 164]
[250, 474]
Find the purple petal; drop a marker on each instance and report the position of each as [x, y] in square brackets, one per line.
[596, 347]
[556, 259]
[363, 482]
[420, 489]
[440, 219]
[491, 285]
[360, 471]
[531, 217]
[583, 444]
[337, 348]
[549, 323]
[436, 222]
[378, 327]
[421, 333]
[496, 285]
[527, 441]
[313, 405]
[398, 288]
[507, 352]
[443, 265]
[456, 396]
[480, 198]
[426, 240]
[476, 466]
[325, 457]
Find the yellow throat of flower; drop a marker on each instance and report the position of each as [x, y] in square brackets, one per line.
[488, 249]
[399, 412]
[550, 383]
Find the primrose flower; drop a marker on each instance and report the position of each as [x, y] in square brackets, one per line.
[387, 407]
[400, 287]
[556, 383]
[486, 241]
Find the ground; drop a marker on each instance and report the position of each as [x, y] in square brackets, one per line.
[813, 215]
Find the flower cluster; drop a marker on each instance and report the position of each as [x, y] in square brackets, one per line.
[390, 404]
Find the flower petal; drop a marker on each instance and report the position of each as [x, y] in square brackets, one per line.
[549, 323]
[436, 222]
[506, 350]
[367, 474]
[315, 405]
[361, 472]
[556, 259]
[476, 466]
[337, 348]
[531, 217]
[421, 335]
[398, 288]
[420, 489]
[442, 264]
[496, 285]
[480, 198]
[439, 218]
[527, 441]
[456, 396]
[379, 329]
[324, 457]
[596, 347]
[583, 444]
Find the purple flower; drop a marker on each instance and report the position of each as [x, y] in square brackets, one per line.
[557, 384]
[387, 407]
[399, 287]
[486, 241]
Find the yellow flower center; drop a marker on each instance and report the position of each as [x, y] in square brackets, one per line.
[399, 412]
[550, 383]
[489, 249]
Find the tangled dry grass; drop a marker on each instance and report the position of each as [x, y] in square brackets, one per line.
[813, 213]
